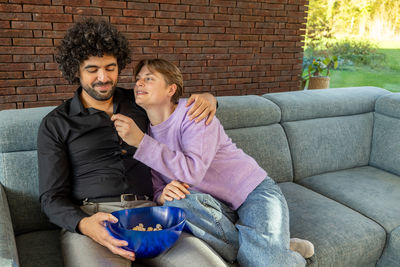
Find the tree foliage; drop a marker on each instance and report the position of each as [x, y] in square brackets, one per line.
[375, 19]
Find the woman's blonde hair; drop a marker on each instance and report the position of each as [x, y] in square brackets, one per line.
[169, 71]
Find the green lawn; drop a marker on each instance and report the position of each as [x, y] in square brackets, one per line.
[387, 77]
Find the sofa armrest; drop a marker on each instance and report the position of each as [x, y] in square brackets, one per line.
[8, 247]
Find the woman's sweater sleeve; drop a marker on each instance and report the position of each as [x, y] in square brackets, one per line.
[198, 144]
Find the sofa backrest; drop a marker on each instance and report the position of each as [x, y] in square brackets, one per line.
[386, 135]
[18, 167]
[328, 129]
[253, 124]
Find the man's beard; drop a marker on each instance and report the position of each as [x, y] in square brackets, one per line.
[96, 95]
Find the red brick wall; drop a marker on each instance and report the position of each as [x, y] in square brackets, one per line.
[224, 47]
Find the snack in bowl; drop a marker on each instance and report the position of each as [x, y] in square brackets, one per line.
[147, 244]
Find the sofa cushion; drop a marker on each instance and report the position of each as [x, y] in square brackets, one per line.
[391, 255]
[246, 111]
[41, 249]
[310, 104]
[386, 137]
[329, 144]
[372, 192]
[341, 236]
[269, 147]
[19, 176]
[18, 128]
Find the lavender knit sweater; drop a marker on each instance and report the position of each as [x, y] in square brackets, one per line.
[202, 156]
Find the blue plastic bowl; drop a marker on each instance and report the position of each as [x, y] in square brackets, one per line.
[150, 243]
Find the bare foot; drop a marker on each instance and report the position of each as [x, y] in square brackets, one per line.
[304, 247]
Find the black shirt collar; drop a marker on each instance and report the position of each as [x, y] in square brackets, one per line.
[77, 107]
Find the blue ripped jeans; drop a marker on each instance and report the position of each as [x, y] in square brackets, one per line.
[256, 234]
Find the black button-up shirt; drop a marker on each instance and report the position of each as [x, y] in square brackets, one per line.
[81, 156]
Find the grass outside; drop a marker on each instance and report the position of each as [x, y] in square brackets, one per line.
[387, 77]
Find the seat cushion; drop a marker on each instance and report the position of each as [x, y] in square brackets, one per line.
[341, 236]
[391, 255]
[372, 192]
[40, 248]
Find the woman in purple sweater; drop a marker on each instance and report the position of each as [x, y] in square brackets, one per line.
[229, 200]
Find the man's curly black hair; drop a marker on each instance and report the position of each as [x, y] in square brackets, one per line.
[87, 38]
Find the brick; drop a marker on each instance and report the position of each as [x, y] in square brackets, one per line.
[175, 8]
[43, 9]
[172, 57]
[53, 34]
[248, 5]
[238, 30]
[110, 4]
[5, 41]
[252, 18]
[227, 43]
[23, 90]
[200, 16]
[173, 43]
[246, 37]
[63, 26]
[7, 90]
[55, 96]
[66, 88]
[215, 23]
[31, 25]
[44, 50]
[196, 2]
[10, 8]
[41, 104]
[191, 36]
[112, 12]
[5, 58]
[138, 35]
[203, 9]
[159, 22]
[16, 66]
[139, 13]
[126, 20]
[143, 6]
[8, 106]
[32, 58]
[32, 42]
[17, 98]
[184, 29]
[187, 50]
[42, 74]
[273, 6]
[91, 11]
[170, 15]
[200, 43]
[199, 57]
[143, 43]
[51, 81]
[16, 16]
[15, 33]
[38, 2]
[212, 30]
[142, 28]
[165, 36]
[189, 22]
[157, 50]
[225, 3]
[223, 87]
[227, 17]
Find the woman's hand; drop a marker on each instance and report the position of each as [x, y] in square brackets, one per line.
[204, 105]
[127, 129]
[173, 190]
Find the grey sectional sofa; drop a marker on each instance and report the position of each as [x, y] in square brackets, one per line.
[334, 152]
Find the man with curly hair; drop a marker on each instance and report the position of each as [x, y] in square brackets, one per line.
[85, 170]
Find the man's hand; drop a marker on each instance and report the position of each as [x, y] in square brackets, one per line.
[127, 129]
[173, 190]
[204, 105]
[94, 227]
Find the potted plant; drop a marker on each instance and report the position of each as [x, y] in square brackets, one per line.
[318, 72]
